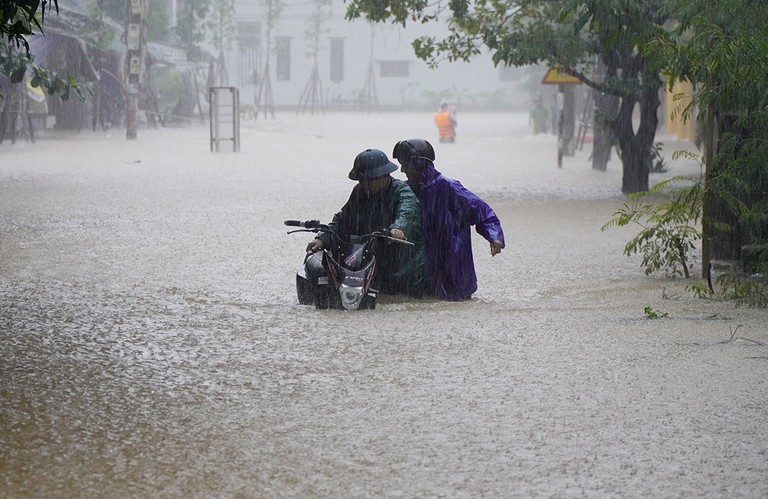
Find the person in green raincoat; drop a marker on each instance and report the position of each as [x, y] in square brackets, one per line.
[380, 202]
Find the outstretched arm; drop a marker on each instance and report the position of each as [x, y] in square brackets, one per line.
[482, 216]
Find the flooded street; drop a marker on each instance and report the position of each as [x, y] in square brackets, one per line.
[151, 344]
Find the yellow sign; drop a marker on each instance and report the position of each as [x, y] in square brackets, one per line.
[35, 93]
[555, 77]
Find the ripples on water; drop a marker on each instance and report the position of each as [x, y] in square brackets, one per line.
[151, 343]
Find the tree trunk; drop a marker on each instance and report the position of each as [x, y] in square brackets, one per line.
[734, 219]
[706, 226]
[636, 147]
[722, 232]
[606, 108]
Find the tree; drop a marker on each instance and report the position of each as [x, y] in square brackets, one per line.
[191, 19]
[722, 48]
[219, 25]
[312, 96]
[264, 99]
[158, 16]
[19, 19]
[570, 35]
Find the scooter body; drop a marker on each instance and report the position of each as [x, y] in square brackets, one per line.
[338, 277]
[325, 282]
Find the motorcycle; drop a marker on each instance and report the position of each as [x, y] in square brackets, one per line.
[339, 277]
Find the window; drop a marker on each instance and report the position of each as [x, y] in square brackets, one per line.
[337, 60]
[283, 66]
[394, 69]
[249, 30]
[248, 56]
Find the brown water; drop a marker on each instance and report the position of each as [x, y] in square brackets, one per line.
[151, 343]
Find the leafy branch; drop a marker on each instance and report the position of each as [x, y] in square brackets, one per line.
[15, 64]
[669, 229]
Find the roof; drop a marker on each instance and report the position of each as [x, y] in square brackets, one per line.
[64, 54]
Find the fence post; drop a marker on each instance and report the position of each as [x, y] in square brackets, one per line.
[224, 117]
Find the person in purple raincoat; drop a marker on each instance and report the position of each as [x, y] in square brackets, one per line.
[448, 211]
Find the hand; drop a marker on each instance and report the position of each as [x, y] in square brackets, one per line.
[496, 247]
[315, 245]
[397, 234]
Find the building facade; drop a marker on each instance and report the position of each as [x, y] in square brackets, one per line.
[310, 56]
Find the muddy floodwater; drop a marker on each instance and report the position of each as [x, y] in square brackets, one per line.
[151, 344]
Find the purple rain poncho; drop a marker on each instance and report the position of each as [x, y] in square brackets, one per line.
[448, 210]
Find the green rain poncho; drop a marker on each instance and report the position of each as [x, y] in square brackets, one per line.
[400, 268]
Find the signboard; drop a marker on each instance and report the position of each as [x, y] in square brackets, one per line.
[134, 36]
[134, 65]
[34, 93]
[555, 77]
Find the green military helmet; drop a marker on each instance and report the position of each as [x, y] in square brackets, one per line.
[371, 163]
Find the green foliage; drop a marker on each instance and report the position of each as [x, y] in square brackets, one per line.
[658, 164]
[168, 87]
[575, 35]
[668, 233]
[190, 17]
[158, 16]
[219, 23]
[16, 63]
[314, 30]
[750, 291]
[732, 58]
[719, 45]
[157, 21]
[19, 18]
[114, 9]
[722, 48]
[747, 285]
[699, 290]
[103, 36]
[650, 313]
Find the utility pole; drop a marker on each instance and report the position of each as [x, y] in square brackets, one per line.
[174, 10]
[134, 41]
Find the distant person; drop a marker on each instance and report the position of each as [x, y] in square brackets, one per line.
[448, 211]
[539, 116]
[380, 202]
[445, 119]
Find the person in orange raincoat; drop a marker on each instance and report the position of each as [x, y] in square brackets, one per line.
[445, 119]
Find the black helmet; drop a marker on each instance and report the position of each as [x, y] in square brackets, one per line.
[413, 149]
[371, 163]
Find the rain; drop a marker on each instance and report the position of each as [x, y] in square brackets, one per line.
[152, 344]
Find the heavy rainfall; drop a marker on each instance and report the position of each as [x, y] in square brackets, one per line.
[152, 344]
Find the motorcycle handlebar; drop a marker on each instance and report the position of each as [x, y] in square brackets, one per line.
[309, 224]
[386, 235]
[315, 224]
[401, 241]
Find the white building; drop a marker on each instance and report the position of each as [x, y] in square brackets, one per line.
[359, 64]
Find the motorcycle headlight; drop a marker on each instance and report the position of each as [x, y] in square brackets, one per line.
[351, 296]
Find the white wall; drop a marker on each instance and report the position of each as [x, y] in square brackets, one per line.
[466, 84]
